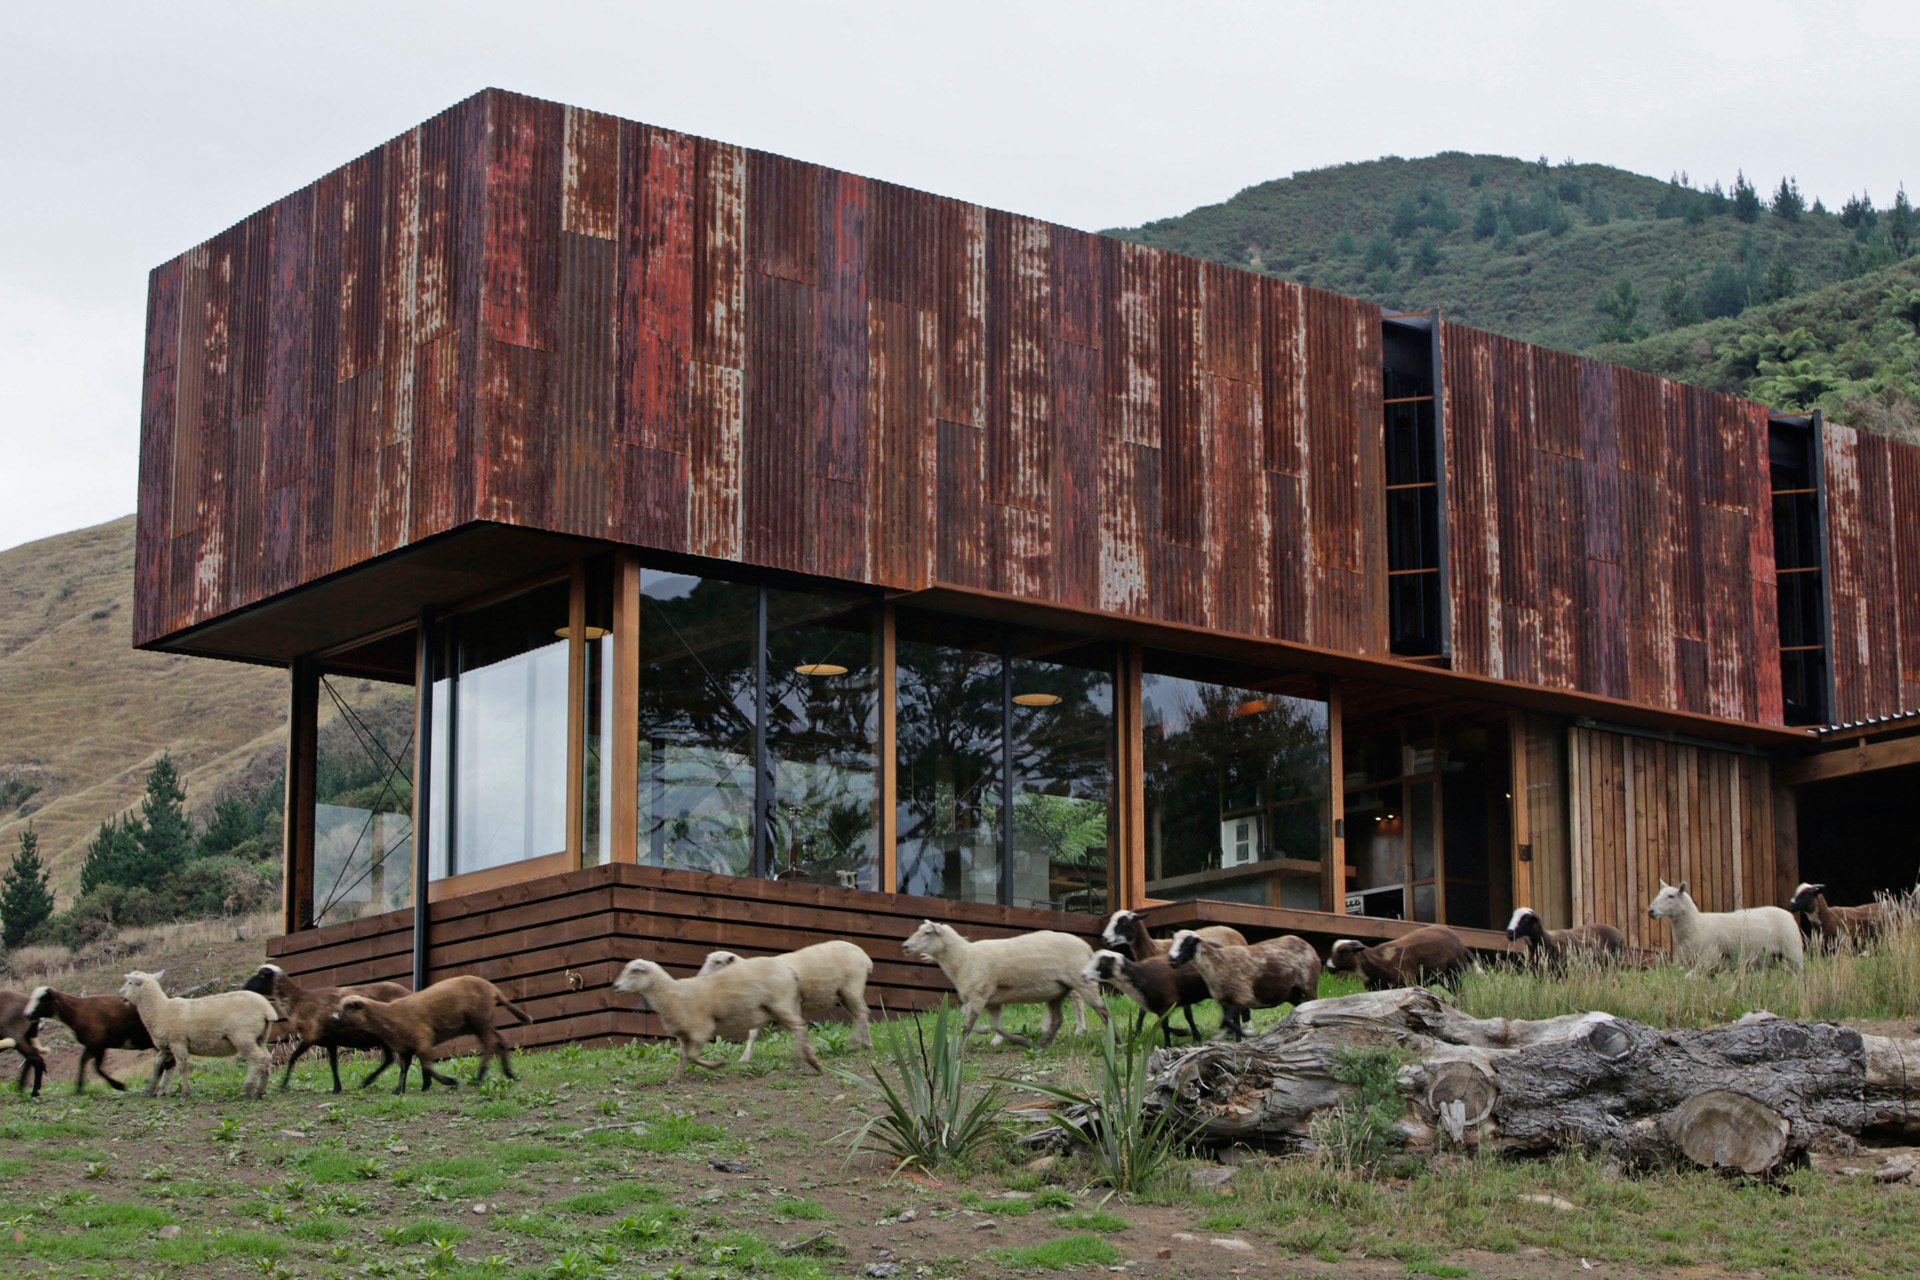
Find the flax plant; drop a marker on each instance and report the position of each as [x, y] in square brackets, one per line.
[928, 1114]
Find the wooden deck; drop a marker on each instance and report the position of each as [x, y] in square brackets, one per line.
[1322, 928]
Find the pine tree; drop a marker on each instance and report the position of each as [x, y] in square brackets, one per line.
[25, 900]
[113, 855]
[1620, 307]
[166, 837]
[1900, 225]
[1426, 255]
[1746, 201]
[230, 824]
[1787, 202]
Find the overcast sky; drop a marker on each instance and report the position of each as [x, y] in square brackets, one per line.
[134, 131]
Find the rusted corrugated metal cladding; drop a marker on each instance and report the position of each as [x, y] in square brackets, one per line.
[539, 315]
[1873, 527]
[1611, 532]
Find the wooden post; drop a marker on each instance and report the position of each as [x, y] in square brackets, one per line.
[624, 774]
[1521, 820]
[303, 724]
[1333, 877]
[576, 714]
[424, 675]
[1131, 785]
[886, 817]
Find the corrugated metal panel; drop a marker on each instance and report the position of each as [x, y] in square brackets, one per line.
[1076, 499]
[1603, 657]
[905, 441]
[526, 140]
[1904, 462]
[585, 396]
[393, 516]
[777, 439]
[1184, 461]
[158, 406]
[590, 175]
[1129, 489]
[1848, 644]
[1473, 544]
[656, 306]
[1019, 445]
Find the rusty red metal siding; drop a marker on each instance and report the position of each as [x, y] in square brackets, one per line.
[546, 316]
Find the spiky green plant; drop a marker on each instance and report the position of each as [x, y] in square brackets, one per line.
[1128, 1145]
[928, 1113]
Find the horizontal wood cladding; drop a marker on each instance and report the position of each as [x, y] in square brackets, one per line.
[1642, 810]
[552, 318]
[1610, 532]
[556, 944]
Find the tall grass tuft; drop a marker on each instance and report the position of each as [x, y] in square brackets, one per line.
[1880, 983]
[928, 1114]
[1128, 1146]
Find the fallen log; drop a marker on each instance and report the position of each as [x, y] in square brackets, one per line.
[1753, 1096]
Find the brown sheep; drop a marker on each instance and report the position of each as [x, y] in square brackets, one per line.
[308, 1011]
[1430, 953]
[1554, 948]
[1853, 926]
[1126, 932]
[1155, 985]
[98, 1023]
[18, 1030]
[413, 1025]
[1284, 970]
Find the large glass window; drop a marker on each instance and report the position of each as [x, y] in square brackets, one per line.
[500, 735]
[697, 698]
[363, 799]
[983, 713]
[949, 726]
[596, 775]
[1235, 786]
[823, 676]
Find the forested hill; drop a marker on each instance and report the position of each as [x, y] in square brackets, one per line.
[1576, 255]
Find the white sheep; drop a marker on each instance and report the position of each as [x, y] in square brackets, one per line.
[740, 998]
[1707, 939]
[833, 975]
[1032, 968]
[217, 1026]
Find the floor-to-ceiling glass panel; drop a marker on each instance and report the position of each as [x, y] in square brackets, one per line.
[1063, 745]
[500, 734]
[1235, 785]
[948, 732]
[363, 799]
[823, 668]
[696, 748]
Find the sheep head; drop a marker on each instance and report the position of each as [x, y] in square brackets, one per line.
[1802, 899]
[716, 961]
[137, 980]
[1119, 930]
[40, 1003]
[352, 1014]
[1104, 967]
[1186, 946]
[263, 981]
[1345, 956]
[1667, 902]
[639, 977]
[1524, 923]
[929, 940]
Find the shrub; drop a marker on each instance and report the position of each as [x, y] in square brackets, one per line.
[929, 1114]
[1364, 1128]
[25, 901]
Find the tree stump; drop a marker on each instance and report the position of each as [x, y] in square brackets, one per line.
[1751, 1097]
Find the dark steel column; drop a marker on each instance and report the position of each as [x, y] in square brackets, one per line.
[762, 766]
[423, 675]
[1006, 769]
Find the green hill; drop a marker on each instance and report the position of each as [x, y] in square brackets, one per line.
[1529, 248]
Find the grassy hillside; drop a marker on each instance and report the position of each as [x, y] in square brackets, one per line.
[83, 715]
[1553, 238]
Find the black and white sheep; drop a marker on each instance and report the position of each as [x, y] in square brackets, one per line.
[1431, 953]
[1556, 948]
[1126, 932]
[1837, 926]
[1706, 940]
[98, 1023]
[19, 1031]
[1153, 984]
[1265, 975]
[1045, 967]
[309, 1013]
[833, 975]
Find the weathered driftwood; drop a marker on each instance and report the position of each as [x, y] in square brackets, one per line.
[1753, 1096]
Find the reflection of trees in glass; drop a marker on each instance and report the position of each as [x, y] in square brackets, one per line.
[821, 730]
[1062, 757]
[363, 791]
[1212, 751]
[948, 730]
[696, 723]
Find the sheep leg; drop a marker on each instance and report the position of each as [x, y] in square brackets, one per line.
[406, 1061]
[1079, 1014]
[386, 1060]
[298, 1051]
[259, 1068]
[429, 1076]
[1056, 1017]
[180, 1054]
[856, 1007]
[162, 1063]
[747, 1056]
[99, 1069]
[1192, 1026]
[1014, 1037]
[797, 1026]
[333, 1065]
[1231, 1016]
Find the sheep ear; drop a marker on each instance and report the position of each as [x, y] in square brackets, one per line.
[1683, 886]
[157, 976]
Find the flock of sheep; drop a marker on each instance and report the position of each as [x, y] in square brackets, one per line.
[734, 997]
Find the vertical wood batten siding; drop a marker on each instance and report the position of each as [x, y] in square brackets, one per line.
[545, 316]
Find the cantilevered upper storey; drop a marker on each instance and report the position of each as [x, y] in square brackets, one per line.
[528, 315]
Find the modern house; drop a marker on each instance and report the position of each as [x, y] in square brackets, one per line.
[703, 548]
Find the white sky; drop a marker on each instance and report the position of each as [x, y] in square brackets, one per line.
[133, 131]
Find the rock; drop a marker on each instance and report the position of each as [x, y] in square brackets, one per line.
[1894, 1171]
[986, 1224]
[1184, 1238]
[883, 1269]
[1552, 1202]
[293, 1134]
[170, 1232]
[726, 1166]
[1016, 1195]
[712, 1195]
[906, 1215]
[1848, 1171]
[1041, 1164]
[1230, 1244]
[1164, 1253]
[1210, 1176]
[480, 1208]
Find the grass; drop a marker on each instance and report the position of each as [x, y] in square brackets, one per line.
[1064, 1254]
